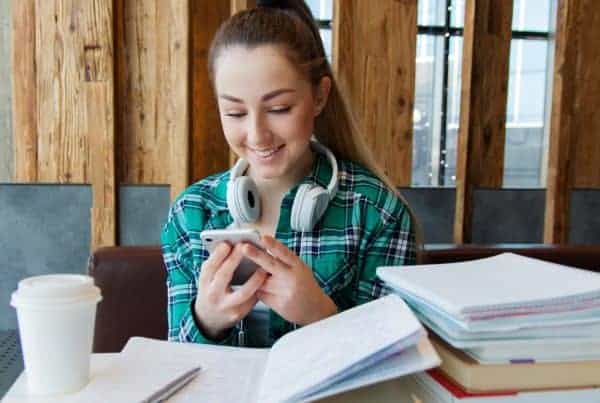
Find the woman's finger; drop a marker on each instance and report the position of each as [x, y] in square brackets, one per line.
[214, 261]
[247, 306]
[279, 250]
[263, 259]
[267, 298]
[248, 289]
[224, 274]
[271, 286]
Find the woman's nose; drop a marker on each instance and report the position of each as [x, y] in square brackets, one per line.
[258, 130]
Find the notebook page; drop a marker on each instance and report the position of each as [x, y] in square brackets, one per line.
[146, 365]
[222, 367]
[414, 359]
[576, 324]
[315, 353]
[502, 281]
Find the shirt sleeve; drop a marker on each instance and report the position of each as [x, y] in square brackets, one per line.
[393, 243]
[182, 281]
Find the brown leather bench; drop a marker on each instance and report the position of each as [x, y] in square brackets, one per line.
[133, 283]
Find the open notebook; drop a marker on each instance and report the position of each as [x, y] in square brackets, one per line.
[370, 343]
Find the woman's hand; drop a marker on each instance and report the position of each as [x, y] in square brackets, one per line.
[291, 289]
[218, 307]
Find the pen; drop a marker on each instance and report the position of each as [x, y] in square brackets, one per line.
[172, 387]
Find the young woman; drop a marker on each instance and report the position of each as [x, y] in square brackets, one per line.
[276, 92]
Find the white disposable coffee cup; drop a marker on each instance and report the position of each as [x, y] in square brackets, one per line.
[56, 315]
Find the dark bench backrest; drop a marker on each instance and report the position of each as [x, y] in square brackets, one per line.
[133, 283]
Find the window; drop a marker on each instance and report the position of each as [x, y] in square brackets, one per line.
[322, 10]
[437, 92]
[528, 107]
[438, 83]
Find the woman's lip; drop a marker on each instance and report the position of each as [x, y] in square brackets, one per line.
[266, 149]
[266, 156]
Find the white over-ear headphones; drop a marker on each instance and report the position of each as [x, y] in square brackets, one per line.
[309, 204]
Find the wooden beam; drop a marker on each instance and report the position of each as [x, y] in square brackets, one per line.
[101, 133]
[24, 91]
[98, 84]
[153, 96]
[60, 70]
[374, 61]
[481, 137]
[575, 124]
[586, 122]
[173, 128]
[210, 152]
[138, 77]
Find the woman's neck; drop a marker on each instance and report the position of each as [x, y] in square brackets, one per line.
[279, 186]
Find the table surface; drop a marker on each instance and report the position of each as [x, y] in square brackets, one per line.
[396, 390]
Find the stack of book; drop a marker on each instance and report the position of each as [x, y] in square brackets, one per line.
[506, 325]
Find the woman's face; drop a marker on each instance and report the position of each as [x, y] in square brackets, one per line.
[267, 109]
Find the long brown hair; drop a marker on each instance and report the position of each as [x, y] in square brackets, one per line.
[290, 24]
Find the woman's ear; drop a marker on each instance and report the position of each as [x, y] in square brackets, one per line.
[322, 94]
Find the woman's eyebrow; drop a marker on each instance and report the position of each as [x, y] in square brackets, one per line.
[265, 97]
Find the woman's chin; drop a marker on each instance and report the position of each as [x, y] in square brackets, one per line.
[268, 173]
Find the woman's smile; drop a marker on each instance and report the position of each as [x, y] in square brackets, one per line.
[266, 154]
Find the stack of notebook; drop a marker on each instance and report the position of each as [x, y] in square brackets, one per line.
[507, 323]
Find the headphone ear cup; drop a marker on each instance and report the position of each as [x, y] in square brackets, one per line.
[243, 200]
[309, 205]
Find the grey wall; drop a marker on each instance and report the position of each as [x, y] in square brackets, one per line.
[43, 229]
[142, 213]
[46, 229]
[585, 217]
[508, 215]
[6, 147]
[434, 208]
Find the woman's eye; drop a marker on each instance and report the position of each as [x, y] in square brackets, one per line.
[235, 115]
[281, 110]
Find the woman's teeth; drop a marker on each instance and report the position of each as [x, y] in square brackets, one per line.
[266, 153]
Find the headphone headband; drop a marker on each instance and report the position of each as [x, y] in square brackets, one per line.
[238, 169]
[310, 201]
[333, 182]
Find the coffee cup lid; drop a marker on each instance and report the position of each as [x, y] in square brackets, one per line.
[55, 289]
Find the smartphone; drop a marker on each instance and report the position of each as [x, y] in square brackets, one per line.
[212, 237]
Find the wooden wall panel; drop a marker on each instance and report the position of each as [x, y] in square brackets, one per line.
[137, 81]
[173, 131]
[374, 60]
[481, 137]
[210, 152]
[24, 91]
[586, 123]
[152, 73]
[573, 160]
[99, 86]
[101, 132]
[60, 69]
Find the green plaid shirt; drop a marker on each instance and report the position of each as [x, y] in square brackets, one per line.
[365, 226]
